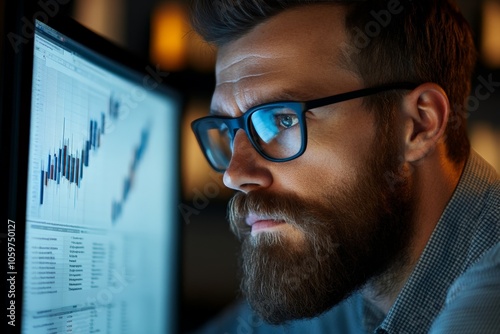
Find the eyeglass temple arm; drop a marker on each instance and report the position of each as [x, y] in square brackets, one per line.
[358, 93]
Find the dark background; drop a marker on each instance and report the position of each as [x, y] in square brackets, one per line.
[209, 252]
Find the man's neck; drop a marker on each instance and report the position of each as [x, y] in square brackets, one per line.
[435, 180]
[383, 289]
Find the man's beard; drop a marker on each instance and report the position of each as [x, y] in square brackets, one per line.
[353, 234]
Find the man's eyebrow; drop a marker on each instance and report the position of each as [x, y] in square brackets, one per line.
[279, 96]
[292, 95]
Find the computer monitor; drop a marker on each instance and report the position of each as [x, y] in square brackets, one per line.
[100, 233]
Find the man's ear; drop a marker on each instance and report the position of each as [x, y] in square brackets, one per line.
[425, 117]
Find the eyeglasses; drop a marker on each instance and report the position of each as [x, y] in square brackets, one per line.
[276, 130]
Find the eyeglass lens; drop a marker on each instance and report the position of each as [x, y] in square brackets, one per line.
[274, 130]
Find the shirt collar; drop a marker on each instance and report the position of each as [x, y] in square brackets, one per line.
[453, 246]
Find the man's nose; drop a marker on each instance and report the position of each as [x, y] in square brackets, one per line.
[247, 169]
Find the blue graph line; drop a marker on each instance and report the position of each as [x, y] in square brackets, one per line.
[117, 206]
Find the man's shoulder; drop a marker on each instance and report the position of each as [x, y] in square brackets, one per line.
[473, 300]
[490, 211]
[475, 210]
[494, 198]
[485, 270]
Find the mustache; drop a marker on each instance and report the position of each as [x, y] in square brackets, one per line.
[289, 207]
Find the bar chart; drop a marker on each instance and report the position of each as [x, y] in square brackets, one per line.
[66, 166]
[86, 149]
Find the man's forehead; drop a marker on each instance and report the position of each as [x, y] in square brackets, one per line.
[296, 47]
[241, 65]
[318, 26]
[314, 31]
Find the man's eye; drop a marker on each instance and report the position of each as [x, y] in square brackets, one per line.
[286, 121]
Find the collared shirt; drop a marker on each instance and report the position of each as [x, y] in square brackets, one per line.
[461, 260]
[473, 302]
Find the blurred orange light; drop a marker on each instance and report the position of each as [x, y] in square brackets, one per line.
[491, 33]
[104, 17]
[484, 139]
[169, 27]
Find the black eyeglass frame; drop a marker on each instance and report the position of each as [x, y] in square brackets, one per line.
[243, 121]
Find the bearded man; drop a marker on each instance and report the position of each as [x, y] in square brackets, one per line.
[360, 205]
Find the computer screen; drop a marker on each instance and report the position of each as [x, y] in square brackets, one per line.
[101, 231]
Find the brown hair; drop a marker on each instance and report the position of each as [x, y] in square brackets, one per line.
[391, 40]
